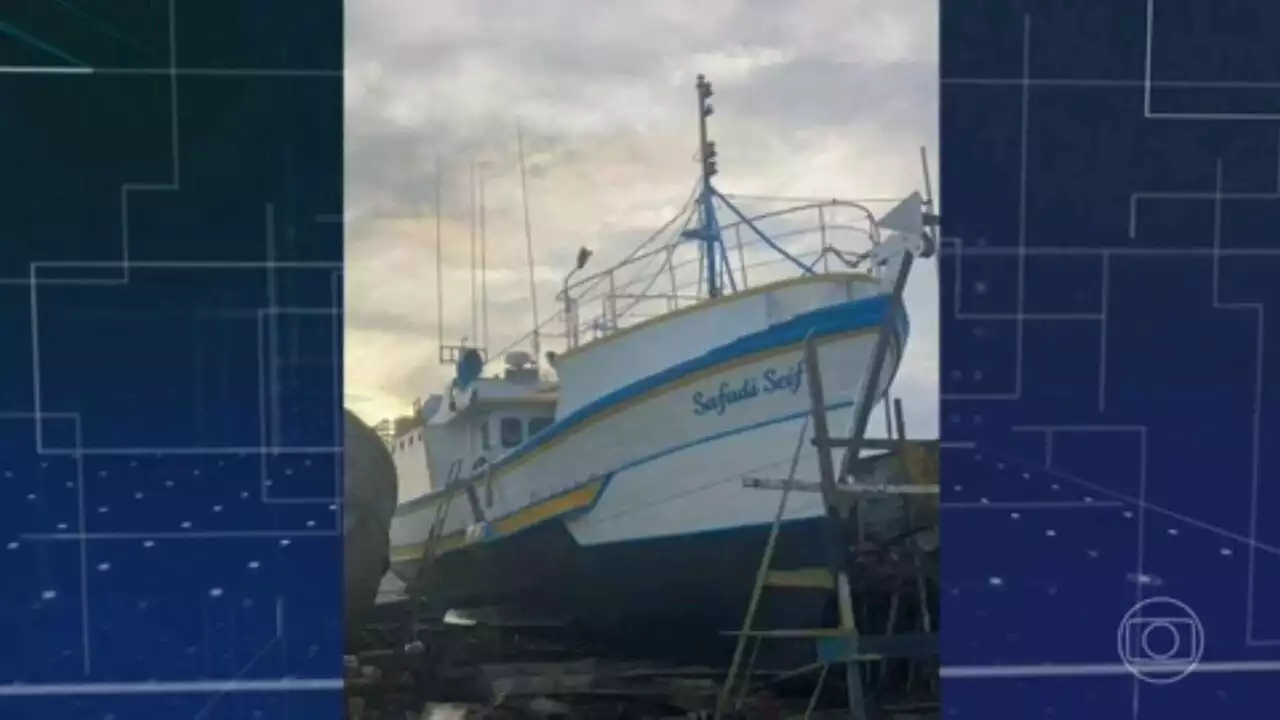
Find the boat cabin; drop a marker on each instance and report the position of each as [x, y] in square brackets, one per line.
[479, 419]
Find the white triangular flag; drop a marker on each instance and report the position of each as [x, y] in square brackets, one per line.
[907, 217]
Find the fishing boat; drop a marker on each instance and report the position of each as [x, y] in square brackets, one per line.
[605, 484]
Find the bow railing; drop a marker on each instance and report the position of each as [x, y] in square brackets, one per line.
[825, 236]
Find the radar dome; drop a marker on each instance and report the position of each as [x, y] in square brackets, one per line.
[518, 359]
[430, 407]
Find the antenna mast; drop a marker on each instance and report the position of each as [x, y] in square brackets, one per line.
[475, 332]
[484, 268]
[439, 263]
[528, 241]
[708, 230]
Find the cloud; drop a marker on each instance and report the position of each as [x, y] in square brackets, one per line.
[815, 98]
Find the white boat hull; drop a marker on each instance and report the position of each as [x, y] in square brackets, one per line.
[695, 483]
[631, 512]
[667, 458]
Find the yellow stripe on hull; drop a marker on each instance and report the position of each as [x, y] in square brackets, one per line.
[690, 379]
[579, 498]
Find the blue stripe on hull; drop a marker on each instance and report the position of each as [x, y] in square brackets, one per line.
[833, 320]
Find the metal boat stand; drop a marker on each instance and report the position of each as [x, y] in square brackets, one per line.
[868, 659]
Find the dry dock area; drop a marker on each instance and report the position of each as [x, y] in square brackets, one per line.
[877, 659]
[878, 662]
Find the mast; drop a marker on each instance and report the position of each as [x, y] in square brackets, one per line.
[439, 263]
[484, 267]
[708, 231]
[528, 241]
[475, 330]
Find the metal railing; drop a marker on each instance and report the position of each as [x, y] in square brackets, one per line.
[664, 278]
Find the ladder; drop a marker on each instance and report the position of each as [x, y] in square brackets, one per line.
[847, 643]
[843, 644]
[415, 589]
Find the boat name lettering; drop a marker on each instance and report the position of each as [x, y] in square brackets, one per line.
[772, 380]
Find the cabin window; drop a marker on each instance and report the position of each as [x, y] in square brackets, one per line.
[485, 442]
[511, 432]
[538, 424]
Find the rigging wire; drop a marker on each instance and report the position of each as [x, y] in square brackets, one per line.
[653, 279]
[671, 265]
[587, 284]
[667, 252]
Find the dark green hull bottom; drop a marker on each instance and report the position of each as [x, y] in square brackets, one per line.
[670, 599]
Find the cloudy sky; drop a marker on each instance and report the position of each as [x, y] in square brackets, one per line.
[814, 98]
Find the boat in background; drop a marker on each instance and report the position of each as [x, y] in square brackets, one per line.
[606, 484]
[369, 496]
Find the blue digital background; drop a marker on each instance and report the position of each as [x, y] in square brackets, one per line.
[170, 381]
[1110, 186]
